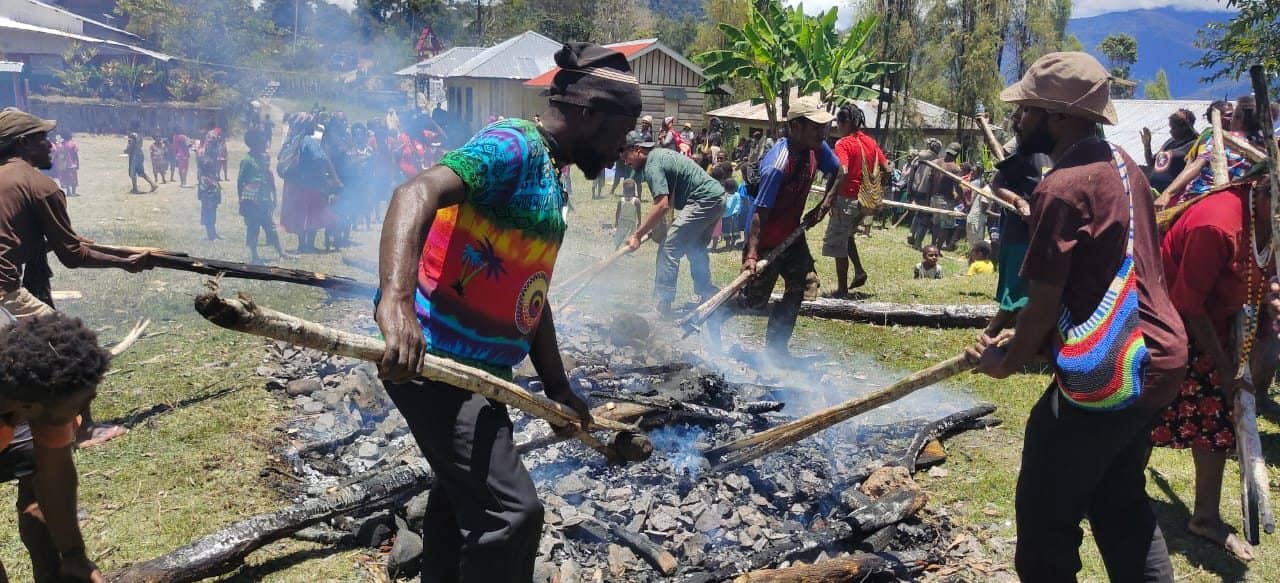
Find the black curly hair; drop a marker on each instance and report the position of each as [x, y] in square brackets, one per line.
[852, 114]
[46, 358]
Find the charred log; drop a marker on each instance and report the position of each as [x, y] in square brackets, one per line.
[605, 531]
[855, 567]
[890, 314]
[224, 551]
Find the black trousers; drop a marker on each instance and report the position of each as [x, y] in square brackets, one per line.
[483, 518]
[1079, 464]
[793, 265]
[258, 218]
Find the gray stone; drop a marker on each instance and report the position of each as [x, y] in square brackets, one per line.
[369, 451]
[325, 422]
[695, 548]
[312, 406]
[708, 520]
[406, 552]
[302, 386]
[574, 483]
[620, 558]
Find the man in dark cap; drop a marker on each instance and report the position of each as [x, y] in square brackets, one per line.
[34, 221]
[467, 253]
[676, 182]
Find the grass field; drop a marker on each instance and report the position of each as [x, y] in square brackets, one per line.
[195, 469]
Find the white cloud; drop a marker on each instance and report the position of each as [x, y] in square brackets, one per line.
[1084, 8]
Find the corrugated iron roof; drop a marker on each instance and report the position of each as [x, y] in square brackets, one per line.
[926, 115]
[523, 56]
[109, 46]
[11, 66]
[442, 64]
[1134, 114]
[37, 13]
[628, 50]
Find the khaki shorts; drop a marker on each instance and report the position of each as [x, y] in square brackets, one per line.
[846, 215]
[21, 304]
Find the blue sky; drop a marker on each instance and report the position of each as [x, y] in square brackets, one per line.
[1082, 7]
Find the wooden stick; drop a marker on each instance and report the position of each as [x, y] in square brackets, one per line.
[130, 338]
[701, 313]
[1244, 147]
[243, 315]
[736, 453]
[922, 209]
[589, 274]
[980, 191]
[1218, 151]
[997, 149]
[183, 262]
[856, 567]
[605, 531]
[1255, 492]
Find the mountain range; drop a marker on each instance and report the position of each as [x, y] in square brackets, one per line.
[1166, 38]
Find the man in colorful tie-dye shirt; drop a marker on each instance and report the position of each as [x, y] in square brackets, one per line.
[467, 253]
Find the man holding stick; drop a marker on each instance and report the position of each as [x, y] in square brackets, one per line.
[786, 175]
[676, 181]
[1086, 442]
[34, 221]
[467, 254]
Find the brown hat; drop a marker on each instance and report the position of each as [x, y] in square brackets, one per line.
[1073, 83]
[810, 109]
[15, 123]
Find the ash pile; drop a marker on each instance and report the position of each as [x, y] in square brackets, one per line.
[842, 498]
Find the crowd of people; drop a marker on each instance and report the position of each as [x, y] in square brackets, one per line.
[1151, 328]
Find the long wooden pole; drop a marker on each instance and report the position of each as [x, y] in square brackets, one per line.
[700, 314]
[1244, 147]
[182, 262]
[1255, 493]
[922, 209]
[736, 453]
[243, 315]
[980, 191]
[997, 149]
[1218, 153]
[589, 274]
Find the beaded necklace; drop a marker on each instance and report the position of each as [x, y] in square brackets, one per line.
[1253, 291]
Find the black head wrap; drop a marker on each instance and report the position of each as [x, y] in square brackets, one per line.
[596, 78]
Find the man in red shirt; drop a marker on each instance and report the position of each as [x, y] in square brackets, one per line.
[857, 152]
[50, 366]
[1080, 461]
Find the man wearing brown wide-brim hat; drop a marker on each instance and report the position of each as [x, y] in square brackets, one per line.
[33, 221]
[1087, 439]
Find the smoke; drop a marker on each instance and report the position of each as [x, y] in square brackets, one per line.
[681, 447]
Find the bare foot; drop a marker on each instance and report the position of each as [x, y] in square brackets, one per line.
[98, 434]
[1222, 535]
[859, 280]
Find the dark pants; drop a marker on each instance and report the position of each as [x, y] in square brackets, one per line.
[794, 266]
[921, 223]
[258, 218]
[483, 518]
[1081, 464]
[209, 212]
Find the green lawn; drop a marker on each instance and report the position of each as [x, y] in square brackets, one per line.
[195, 469]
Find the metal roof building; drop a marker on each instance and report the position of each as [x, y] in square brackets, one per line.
[1135, 114]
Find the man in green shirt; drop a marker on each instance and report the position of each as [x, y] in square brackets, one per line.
[676, 182]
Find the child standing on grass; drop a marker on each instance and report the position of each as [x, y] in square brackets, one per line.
[980, 259]
[627, 215]
[256, 189]
[133, 149]
[928, 267]
[159, 159]
[734, 209]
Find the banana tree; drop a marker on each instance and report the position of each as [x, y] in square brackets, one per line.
[763, 51]
[837, 68]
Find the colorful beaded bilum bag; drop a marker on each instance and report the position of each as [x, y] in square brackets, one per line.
[1100, 361]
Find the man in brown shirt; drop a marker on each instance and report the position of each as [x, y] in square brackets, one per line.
[1085, 463]
[33, 221]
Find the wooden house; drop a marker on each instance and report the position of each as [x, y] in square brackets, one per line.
[669, 83]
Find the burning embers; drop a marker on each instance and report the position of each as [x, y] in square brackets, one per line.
[670, 516]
